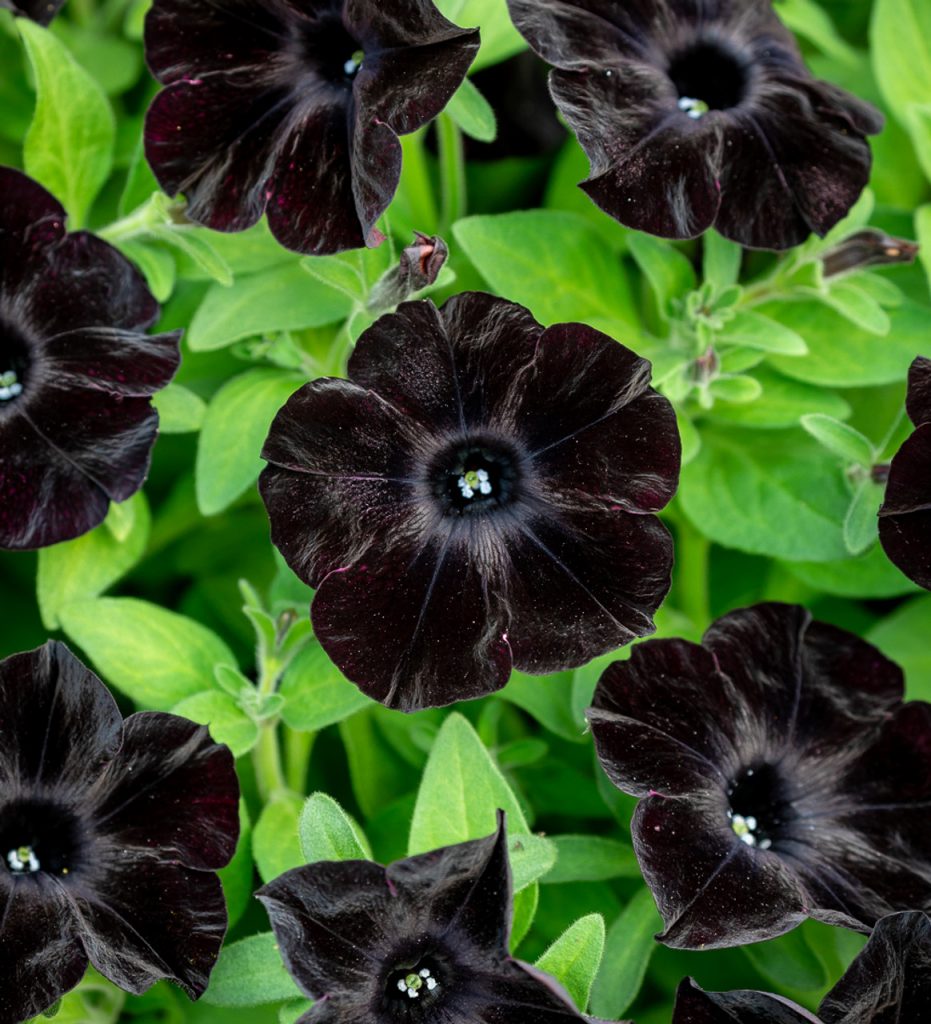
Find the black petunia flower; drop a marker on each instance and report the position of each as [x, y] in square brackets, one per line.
[476, 495]
[889, 982]
[781, 777]
[294, 107]
[110, 834]
[701, 114]
[76, 372]
[41, 11]
[905, 517]
[422, 941]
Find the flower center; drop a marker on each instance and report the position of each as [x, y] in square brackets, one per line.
[409, 990]
[38, 835]
[474, 477]
[759, 808]
[708, 77]
[326, 50]
[14, 365]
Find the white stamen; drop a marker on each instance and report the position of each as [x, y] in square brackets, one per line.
[693, 107]
[23, 859]
[9, 386]
[467, 491]
[413, 983]
[350, 67]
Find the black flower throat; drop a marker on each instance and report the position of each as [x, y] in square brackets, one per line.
[39, 835]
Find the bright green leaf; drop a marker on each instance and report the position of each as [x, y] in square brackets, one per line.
[752, 330]
[237, 875]
[276, 846]
[227, 721]
[250, 972]
[628, 949]
[327, 832]
[857, 306]
[196, 246]
[591, 859]
[574, 958]
[861, 524]
[783, 403]
[180, 411]
[788, 961]
[670, 273]
[903, 636]
[316, 693]
[472, 112]
[840, 439]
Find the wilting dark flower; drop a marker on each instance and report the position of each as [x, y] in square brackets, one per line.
[423, 940]
[867, 248]
[418, 268]
[905, 517]
[76, 372]
[41, 11]
[476, 495]
[701, 114]
[888, 983]
[110, 835]
[781, 777]
[295, 106]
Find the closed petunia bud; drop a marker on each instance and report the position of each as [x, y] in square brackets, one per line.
[418, 268]
[867, 248]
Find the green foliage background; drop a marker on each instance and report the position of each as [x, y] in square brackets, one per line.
[776, 500]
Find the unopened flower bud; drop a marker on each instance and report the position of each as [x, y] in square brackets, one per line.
[418, 268]
[867, 248]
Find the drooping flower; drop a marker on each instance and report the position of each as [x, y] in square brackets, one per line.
[41, 11]
[77, 372]
[780, 777]
[696, 115]
[478, 494]
[422, 941]
[889, 982]
[294, 107]
[905, 517]
[111, 832]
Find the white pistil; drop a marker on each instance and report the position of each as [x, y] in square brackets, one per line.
[414, 982]
[745, 830]
[693, 107]
[9, 386]
[474, 480]
[23, 859]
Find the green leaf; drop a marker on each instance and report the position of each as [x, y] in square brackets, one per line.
[316, 693]
[752, 330]
[180, 411]
[196, 246]
[249, 973]
[789, 962]
[857, 306]
[235, 427]
[861, 524]
[284, 298]
[87, 566]
[237, 875]
[591, 859]
[532, 858]
[500, 39]
[628, 949]
[741, 482]
[807, 19]
[721, 259]
[574, 958]
[923, 230]
[291, 1012]
[472, 113]
[153, 656]
[342, 272]
[157, 266]
[69, 145]
[840, 439]
[227, 721]
[670, 273]
[275, 843]
[548, 700]
[739, 390]
[868, 575]
[844, 356]
[903, 636]
[783, 403]
[327, 832]
[552, 262]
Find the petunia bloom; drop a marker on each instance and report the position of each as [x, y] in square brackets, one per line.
[111, 832]
[295, 107]
[41, 11]
[905, 517]
[889, 982]
[478, 494]
[696, 115]
[422, 941]
[77, 372]
[781, 777]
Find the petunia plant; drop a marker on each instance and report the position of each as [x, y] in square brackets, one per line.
[464, 539]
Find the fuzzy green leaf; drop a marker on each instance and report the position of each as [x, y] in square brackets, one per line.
[327, 832]
[250, 972]
[574, 958]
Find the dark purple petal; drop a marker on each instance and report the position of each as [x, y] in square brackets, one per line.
[41, 953]
[171, 791]
[693, 1006]
[410, 619]
[582, 583]
[918, 402]
[453, 368]
[335, 448]
[57, 720]
[890, 981]
[905, 517]
[32, 217]
[516, 993]
[393, 26]
[112, 360]
[41, 11]
[710, 888]
[145, 917]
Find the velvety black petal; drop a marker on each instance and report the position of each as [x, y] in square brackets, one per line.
[145, 917]
[694, 1006]
[172, 790]
[710, 888]
[57, 720]
[32, 217]
[450, 369]
[41, 953]
[918, 400]
[387, 26]
[41, 11]
[890, 981]
[604, 574]
[515, 993]
[335, 448]
[418, 624]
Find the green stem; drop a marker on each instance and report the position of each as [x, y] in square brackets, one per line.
[266, 756]
[693, 563]
[298, 747]
[418, 184]
[133, 225]
[452, 172]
